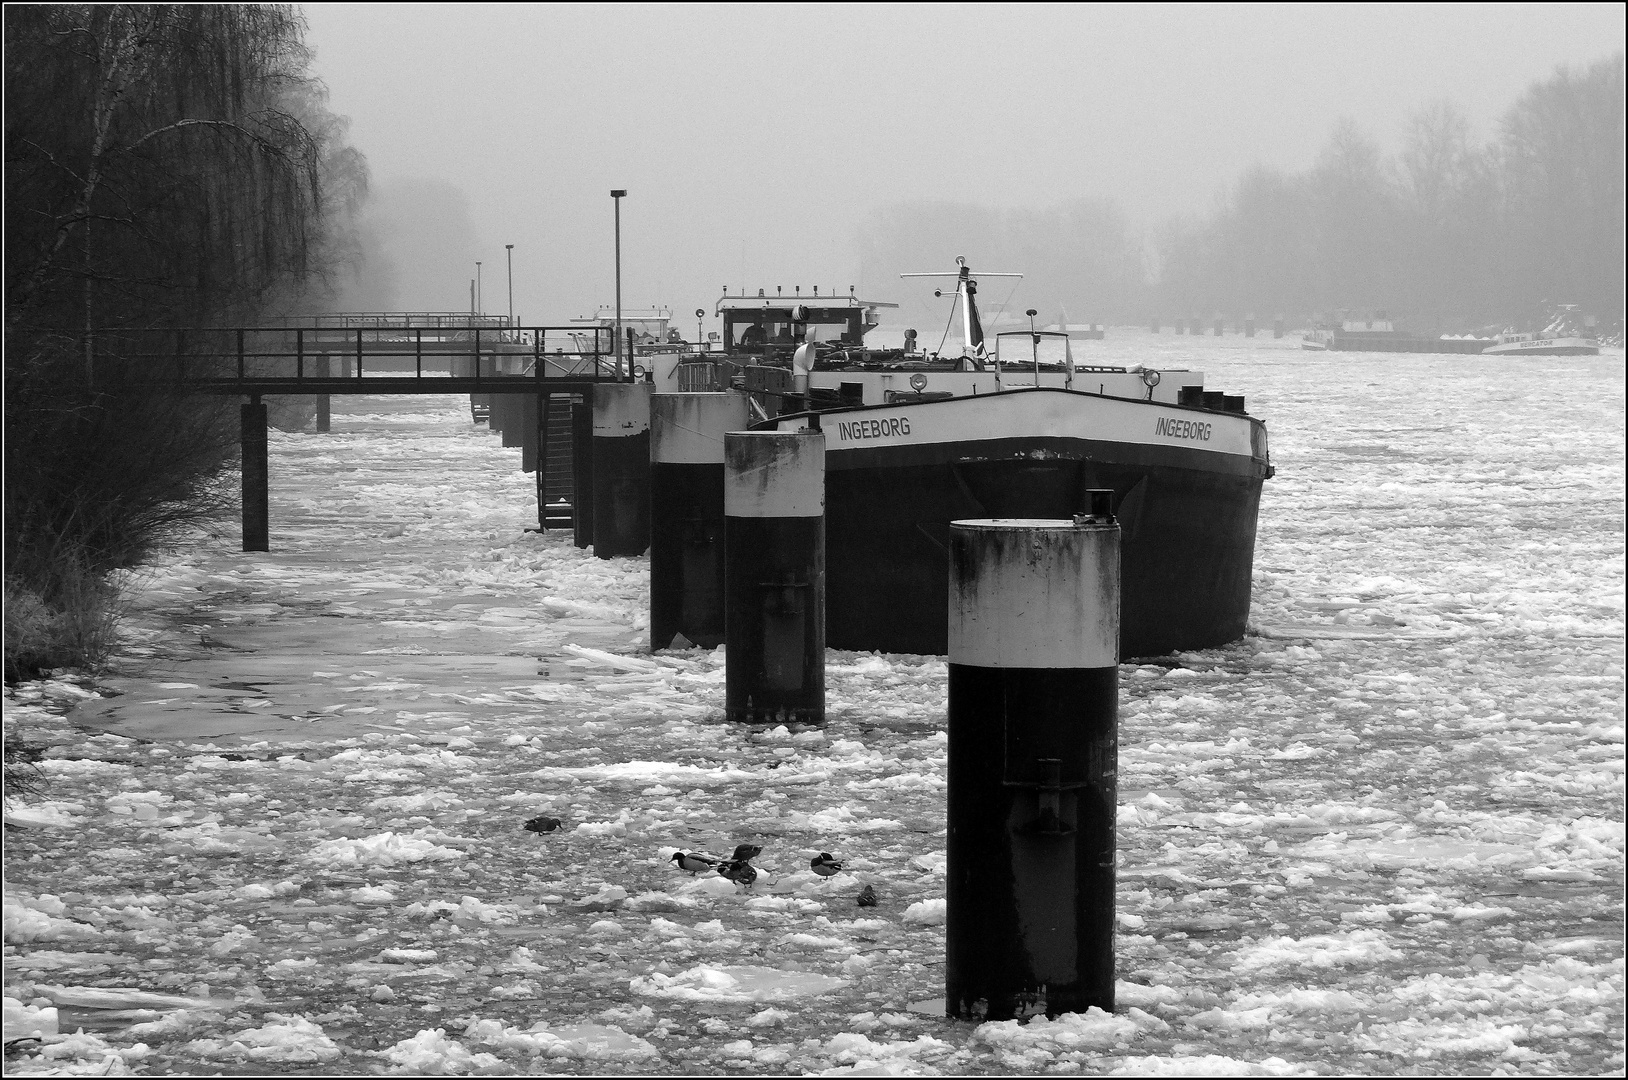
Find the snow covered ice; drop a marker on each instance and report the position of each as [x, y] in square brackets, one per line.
[1381, 834]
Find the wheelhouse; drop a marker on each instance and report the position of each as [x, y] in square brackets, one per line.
[755, 324]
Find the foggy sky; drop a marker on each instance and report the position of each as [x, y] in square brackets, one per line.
[755, 141]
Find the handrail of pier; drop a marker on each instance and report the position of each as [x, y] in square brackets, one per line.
[317, 358]
[384, 320]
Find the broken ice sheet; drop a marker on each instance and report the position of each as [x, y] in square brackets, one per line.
[1508, 733]
[737, 983]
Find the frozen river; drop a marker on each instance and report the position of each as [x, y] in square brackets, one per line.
[1382, 834]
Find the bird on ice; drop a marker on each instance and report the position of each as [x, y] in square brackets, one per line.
[693, 862]
[867, 897]
[739, 871]
[824, 865]
[542, 823]
[746, 853]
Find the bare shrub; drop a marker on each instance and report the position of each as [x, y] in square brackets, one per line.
[76, 628]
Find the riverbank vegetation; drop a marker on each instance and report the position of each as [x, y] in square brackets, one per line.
[166, 166]
[1451, 233]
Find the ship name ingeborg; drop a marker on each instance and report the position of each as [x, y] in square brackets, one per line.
[879, 428]
[1182, 429]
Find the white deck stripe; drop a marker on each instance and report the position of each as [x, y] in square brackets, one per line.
[1036, 414]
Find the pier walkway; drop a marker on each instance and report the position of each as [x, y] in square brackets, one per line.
[397, 353]
[405, 353]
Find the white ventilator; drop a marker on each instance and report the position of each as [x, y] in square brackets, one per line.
[802, 363]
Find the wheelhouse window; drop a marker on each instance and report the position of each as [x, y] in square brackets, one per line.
[753, 328]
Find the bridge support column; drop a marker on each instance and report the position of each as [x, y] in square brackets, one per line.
[582, 471]
[321, 368]
[256, 481]
[529, 427]
[540, 433]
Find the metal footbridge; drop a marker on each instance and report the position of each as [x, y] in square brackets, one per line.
[365, 353]
[523, 379]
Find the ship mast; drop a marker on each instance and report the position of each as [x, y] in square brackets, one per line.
[966, 288]
[972, 328]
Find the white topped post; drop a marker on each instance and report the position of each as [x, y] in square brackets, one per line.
[1033, 753]
[774, 577]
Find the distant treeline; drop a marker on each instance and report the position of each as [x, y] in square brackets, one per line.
[166, 165]
[1449, 234]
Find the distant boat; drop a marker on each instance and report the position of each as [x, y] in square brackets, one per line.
[1561, 337]
[650, 326]
[1379, 334]
[1363, 335]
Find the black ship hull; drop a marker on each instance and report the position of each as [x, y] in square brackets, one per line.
[1186, 481]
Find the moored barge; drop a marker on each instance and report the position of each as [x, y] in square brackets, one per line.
[915, 441]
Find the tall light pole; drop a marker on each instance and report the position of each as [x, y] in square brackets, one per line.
[480, 308]
[510, 249]
[616, 197]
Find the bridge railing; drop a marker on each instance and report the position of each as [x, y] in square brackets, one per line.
[383, 320]
[291, 356]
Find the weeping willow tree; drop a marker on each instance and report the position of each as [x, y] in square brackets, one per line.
[166, 165]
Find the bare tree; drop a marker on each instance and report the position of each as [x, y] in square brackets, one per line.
[1450, 219]
[1562, 172]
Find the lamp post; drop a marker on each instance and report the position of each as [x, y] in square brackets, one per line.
[510, 249]
[700, 346]
[616, 198]
[480, 307]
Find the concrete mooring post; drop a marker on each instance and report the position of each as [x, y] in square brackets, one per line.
[1277, 327]
[256, 476]
[774, 576]
[621, 469]
[1033, 755]
[687, 514]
